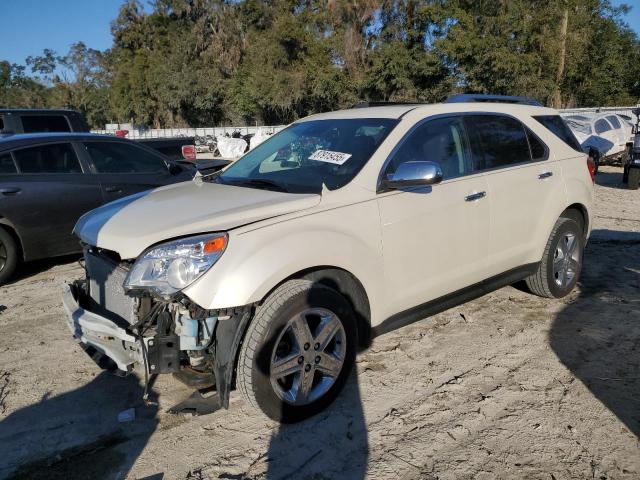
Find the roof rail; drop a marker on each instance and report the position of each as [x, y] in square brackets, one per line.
[382, 104]
[482, 97]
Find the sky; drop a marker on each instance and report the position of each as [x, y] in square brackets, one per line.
[29, 26]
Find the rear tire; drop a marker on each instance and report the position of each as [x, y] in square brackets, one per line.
[8, 256]
[308, 331]
[633, 178]
[561, 262]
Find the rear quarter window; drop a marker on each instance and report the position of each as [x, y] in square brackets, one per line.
[614, 121]
[559, 128]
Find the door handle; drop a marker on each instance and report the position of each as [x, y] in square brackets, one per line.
[475, 196]
[543, 175]
[10, 191]
[113, 190]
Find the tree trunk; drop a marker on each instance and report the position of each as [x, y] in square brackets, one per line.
[557, 94]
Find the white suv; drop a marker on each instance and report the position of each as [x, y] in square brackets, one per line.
[271, 274]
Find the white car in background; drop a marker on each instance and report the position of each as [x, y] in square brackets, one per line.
[609, 134]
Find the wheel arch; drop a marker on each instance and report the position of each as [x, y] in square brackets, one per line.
[580, 214]
[345, 283]
[11, 230]
[339, 279]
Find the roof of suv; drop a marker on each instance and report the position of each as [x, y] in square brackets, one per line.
[397, 111]
[10, 141]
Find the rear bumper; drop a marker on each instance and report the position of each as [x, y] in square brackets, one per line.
[99, 336]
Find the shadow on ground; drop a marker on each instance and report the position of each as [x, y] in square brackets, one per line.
[597, 336]
[30, 269]
[331, 445]
[77, 434]
[611, 179]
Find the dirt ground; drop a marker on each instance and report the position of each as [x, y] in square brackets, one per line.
[507, 386]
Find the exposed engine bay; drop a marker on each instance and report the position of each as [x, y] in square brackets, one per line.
[136, 332]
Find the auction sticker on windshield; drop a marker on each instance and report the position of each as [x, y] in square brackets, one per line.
[337, 158]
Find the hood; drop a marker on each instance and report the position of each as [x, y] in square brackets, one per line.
[132, 224]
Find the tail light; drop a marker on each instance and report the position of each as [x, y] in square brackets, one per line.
[122, 133]
[189, 152]
[591, 165]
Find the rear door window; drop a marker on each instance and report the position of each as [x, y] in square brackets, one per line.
[114, 157]
[559, 128]
[53, 158]
[6, 164]
[497, 141]
[44, 123]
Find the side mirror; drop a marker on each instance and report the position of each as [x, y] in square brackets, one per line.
[413, 174]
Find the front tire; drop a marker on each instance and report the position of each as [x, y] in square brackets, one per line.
[298, 351]
[8, 256]
[561, 262]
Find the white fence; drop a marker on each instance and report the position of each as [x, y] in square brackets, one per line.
[192, 132]
[589, 112]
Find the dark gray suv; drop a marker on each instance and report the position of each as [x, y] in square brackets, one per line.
[47, 181]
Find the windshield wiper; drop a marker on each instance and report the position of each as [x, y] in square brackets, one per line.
[259, 182]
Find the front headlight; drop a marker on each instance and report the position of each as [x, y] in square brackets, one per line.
[170, 267]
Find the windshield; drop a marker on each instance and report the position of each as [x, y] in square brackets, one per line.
[306, 155]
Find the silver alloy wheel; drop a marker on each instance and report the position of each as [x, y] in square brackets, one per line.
[3, 255]
[308, 356]
[566, 260]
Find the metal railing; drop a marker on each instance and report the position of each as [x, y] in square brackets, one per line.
[136, 134]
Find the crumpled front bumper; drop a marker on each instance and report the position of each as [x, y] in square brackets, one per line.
[99, 336]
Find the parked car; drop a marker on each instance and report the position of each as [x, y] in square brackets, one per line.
[14, 121]
[48, 180]
[341, 227]
[608, 135]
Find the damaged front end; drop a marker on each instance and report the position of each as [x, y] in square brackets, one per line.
[138, 332]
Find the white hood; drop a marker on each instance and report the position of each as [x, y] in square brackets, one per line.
[132, 224]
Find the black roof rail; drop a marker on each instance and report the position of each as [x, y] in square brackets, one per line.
[382, 104]
[482, 97]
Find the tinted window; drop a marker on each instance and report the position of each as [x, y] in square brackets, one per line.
[602, 126]
[6, 164]
[614, 121]
[1, 123]
[559, 128]
[56, 158]
[44, 123]
[442, 141]
[112, 157]
[497, 141]
[538, 149]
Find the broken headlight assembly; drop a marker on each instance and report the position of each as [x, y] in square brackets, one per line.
[170, 267]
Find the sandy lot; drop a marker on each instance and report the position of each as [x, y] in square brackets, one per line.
[507, 386]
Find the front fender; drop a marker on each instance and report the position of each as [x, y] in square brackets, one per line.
[258, 260]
